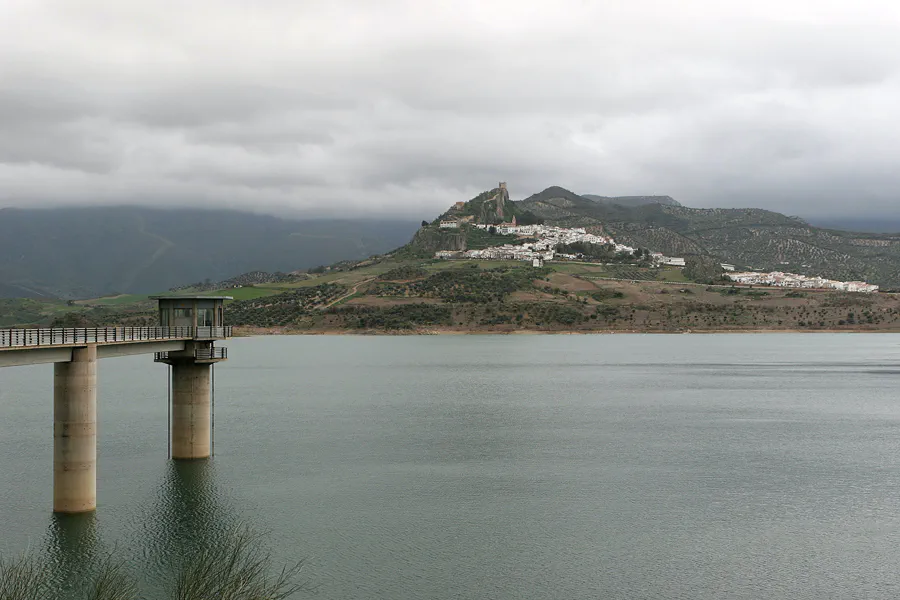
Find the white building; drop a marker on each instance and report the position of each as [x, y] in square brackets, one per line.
[450, 224]
[672, 261]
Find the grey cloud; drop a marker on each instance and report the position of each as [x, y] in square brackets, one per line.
[400, 107]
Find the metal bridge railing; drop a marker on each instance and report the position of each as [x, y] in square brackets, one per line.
[32, 338]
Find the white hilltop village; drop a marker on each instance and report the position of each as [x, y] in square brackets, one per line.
[793, 280]
[546, 239]
[543, 249]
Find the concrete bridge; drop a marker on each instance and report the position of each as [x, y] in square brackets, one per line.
[185, 340]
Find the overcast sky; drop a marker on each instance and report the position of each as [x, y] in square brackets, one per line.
[396, 107]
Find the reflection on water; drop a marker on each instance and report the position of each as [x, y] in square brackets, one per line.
[73, 549]
[189, 514]
[190, 511]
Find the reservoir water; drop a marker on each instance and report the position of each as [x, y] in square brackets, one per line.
[506, 467]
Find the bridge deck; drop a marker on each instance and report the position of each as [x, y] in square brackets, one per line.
[23, 339]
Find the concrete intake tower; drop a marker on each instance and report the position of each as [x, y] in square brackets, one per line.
[189, 327]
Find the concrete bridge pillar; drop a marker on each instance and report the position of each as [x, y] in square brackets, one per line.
[75, 432]
[191, 416]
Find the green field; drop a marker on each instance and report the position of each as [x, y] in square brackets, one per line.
[444, 265]
[122, 300]
[241, 293]
[672, 274]
[251, 292]
[578, 268]
[22, 312]
[627, 272]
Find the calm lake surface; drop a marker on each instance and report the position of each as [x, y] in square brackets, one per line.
[508, 467]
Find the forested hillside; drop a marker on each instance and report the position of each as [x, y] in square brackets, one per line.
[87, 252]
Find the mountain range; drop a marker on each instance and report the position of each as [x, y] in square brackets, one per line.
[89, 252]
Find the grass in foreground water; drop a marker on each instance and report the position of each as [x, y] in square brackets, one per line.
[238, 567]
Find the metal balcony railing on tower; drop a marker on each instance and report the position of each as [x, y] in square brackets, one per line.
[213, 333]
[211, 353]
[199, 355]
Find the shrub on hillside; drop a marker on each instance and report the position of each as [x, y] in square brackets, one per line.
[406, 316]
[285, 308]
[469, 284]
[404, 273]
[703, 269]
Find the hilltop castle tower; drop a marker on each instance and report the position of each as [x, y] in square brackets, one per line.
[502, 199]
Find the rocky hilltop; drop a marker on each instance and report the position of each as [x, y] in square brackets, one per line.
[455, 229]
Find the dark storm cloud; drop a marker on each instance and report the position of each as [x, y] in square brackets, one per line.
[401, 107]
